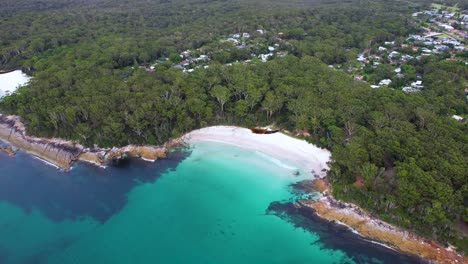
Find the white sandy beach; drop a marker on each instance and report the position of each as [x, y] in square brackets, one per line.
[10, 81]
[279, 146]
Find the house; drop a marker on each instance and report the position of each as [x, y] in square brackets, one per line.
[382, 48]
[270, 48]
[409, 89]
[237, 35]
[185, 54]
[417, 85]
[374, 86]
[361, 57]
[245, 35]
[391, 43]
[260, 31]
[385, 82]
[458, 118]
[426, 50]
[451, 42]
[397, 70]
[394, 54]
[415, 38]
[407, 57]
[264, 57]
[441, 48]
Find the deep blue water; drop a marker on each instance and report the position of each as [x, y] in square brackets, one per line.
[213, 204]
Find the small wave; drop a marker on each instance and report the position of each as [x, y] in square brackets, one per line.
[275, 161]
[149, 160]
[46, 162]
[354, 231]
[381, 244]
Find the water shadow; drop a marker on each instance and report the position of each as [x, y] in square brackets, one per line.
[338, 237]
[85, 191]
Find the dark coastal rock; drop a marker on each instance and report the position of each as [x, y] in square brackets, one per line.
[59, 152]
[261, 130]
[8, 150]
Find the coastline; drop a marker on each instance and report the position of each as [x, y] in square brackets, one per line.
[63, 153]
[311, 159]
[377, 231]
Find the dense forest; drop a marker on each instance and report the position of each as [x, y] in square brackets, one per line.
[88, 60]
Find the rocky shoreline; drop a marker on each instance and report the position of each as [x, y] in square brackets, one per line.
[63, 153]
[328, 208]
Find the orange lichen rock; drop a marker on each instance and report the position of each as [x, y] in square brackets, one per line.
[367, 226]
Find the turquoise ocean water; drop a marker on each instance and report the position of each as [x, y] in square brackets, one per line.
[206, 205]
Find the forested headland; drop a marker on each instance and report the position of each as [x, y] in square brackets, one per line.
[89, 62]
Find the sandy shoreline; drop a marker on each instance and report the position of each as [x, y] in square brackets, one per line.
[306, 156]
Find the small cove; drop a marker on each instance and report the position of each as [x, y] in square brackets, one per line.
[211, 204]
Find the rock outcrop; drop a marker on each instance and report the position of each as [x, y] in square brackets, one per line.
[367, 226]
[63, 153]
[56, 151]
[7, 150]
[104, 157]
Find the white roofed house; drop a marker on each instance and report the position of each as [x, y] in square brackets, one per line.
[426, 50]
[185, 54]
[264, 57]
[385, 82]
[417, 85]
[394, 54]
[407, 57]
